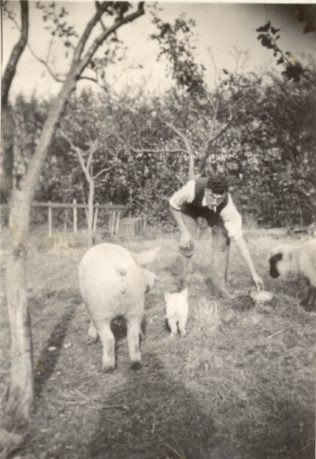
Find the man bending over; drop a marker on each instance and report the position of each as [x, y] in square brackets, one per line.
[210, 199]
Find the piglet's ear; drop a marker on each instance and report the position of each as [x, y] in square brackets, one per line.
[147, 257]
[185, 293]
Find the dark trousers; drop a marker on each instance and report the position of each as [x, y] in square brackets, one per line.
[220, 244]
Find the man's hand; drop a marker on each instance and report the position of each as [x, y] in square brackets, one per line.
[186, 242]
[258, 281]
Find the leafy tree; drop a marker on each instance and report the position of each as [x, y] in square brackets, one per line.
[268, 151]
[29, 117]
[177, 45]
[293, 127]
[211, 113]
[83, 130]
[269, 36]
[150, 160]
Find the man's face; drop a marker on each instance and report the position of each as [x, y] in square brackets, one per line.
[213, 200]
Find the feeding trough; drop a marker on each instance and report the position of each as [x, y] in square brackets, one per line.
[261, 296]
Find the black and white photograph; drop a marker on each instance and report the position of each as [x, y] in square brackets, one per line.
[158, 230]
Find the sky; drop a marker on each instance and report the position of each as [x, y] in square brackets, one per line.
[220, 27]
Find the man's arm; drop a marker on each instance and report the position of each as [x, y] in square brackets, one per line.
[176, 202]
[186, 241]
[233, 224]
[243, 249]
[177, 215]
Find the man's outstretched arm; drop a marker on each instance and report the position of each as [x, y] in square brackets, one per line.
[243, 249]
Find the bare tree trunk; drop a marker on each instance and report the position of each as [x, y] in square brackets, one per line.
[7, 153]
[21, 394]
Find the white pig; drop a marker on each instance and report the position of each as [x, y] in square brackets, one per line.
[113, 282]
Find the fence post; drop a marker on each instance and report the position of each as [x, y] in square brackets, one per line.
[95, 219]
[75, 225]
[110, 221]
[144, 223]
[65, 219]
[50, 219]
[113, 222]
[130, 202]
[117, 224]
[145, 213]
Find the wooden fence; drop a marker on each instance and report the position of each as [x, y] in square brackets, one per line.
[113, 214]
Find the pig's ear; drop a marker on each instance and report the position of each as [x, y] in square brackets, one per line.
[167, 296]
[147, 257]
[185, 293]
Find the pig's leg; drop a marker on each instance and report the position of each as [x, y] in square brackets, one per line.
[309, 302]
[313, 299]
[107, 339]
[133, 335]
[92, 333]
[173, 327]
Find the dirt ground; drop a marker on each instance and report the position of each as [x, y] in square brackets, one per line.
[240, 385]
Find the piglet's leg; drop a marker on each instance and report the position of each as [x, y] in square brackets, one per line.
[133, 334]
[309, 294]
[311, 299]
[107, 339]
[173, 327]
[182, 323]
[92, 333]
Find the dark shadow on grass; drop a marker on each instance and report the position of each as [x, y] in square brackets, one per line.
[289, 435]
[153, 417]
[48, 358]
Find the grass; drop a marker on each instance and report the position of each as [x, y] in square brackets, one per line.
[240, 385]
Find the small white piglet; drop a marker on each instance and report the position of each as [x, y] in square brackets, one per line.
[113, 283]
[177, 310]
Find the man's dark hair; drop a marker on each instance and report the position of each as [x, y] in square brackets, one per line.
[218, 183]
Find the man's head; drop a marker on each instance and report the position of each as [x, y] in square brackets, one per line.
[216, 190]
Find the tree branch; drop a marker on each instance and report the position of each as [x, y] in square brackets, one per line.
[148, 150]
[97, 6]
[212, 140]
[39, 59]
[82, 163]
[105, 34]
[189, 151]
[86, 34]
[78, 152]
[107, 169]
[93, 80]
[221, 132]
[16, 53]
[45, 63]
